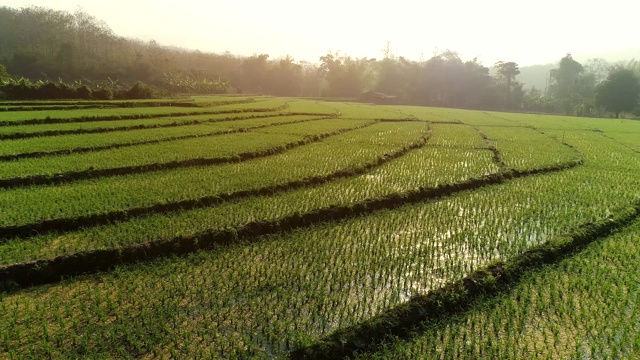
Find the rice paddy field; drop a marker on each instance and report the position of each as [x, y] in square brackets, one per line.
[274, 228]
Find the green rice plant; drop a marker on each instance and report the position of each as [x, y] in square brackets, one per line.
[450, 135]
[631, 139]
[557, 122]
[130, 137]
[600, 151]
[366, 111]
[42, 130]
[123, 192]
[309, 106]
[523, 148]
[422, 168]
[583, 307]
[286, 290]
[276, 293]
[172, 151]
[8, 117]
[216, 99]
[430, 114]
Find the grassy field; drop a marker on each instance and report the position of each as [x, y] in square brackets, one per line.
[237, 227]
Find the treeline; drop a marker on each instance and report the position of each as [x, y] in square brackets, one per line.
[58, 47]
[24, 89]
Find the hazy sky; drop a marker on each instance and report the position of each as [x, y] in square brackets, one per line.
[527, 32]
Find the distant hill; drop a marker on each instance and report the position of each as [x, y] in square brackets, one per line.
[538, 75]
[612, 56]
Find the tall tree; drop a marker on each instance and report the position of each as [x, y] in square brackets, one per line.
[346, 77]
[565, 77]
[284, 78]
[507, 71]
[619, 92]
[254, 71]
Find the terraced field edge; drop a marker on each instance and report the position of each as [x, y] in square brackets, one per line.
[16, 276]
[139, 169]
[78, 150]
[135, 117]
[403, 320]
[23, 135]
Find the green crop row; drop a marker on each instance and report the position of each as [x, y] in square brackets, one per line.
[584, 307]
[273, 294]
[43, 130]
[630, 139]
[465, 136]
[425, 167]
[71, 143]
[287, 290]
[118, 193]
[80, 115]
[422, 168]
[172, 151]
[309, 106]
[523, 148]
[365, 111]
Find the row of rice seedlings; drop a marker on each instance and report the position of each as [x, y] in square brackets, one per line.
[470, 117]
[556, 122]
[8, 117]
[32, 105]
[525, 148]
[44, 106]
[75, 141]
[173, 151]
[599, 150]
[429, 114]
[583, 308]
[366, 111]
[18, 116]
[466, 136]
[214, 99]
[116, 102]
[309, 106]
[115, 125]
[631, 139]
[287, 290]
[575, 123]
[426, 167]
[124, 192]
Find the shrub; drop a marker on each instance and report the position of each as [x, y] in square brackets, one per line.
[103, 94]
[140, 90]
[83, 92]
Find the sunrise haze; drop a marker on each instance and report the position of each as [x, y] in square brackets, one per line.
[524, 32]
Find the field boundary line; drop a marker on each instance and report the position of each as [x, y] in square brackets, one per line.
[84, 119]
[80, 150]
[497, 156]
[115, 104]
[52, 270]
[51, 133]
[62, 178]
[618, 141]
[404, 320]
[71, 224]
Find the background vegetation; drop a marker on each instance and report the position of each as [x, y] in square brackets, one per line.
[75, 55]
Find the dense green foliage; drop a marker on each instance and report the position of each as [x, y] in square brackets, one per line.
[50, 47]
[257, 228]
[619, 92]
[584, 307]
